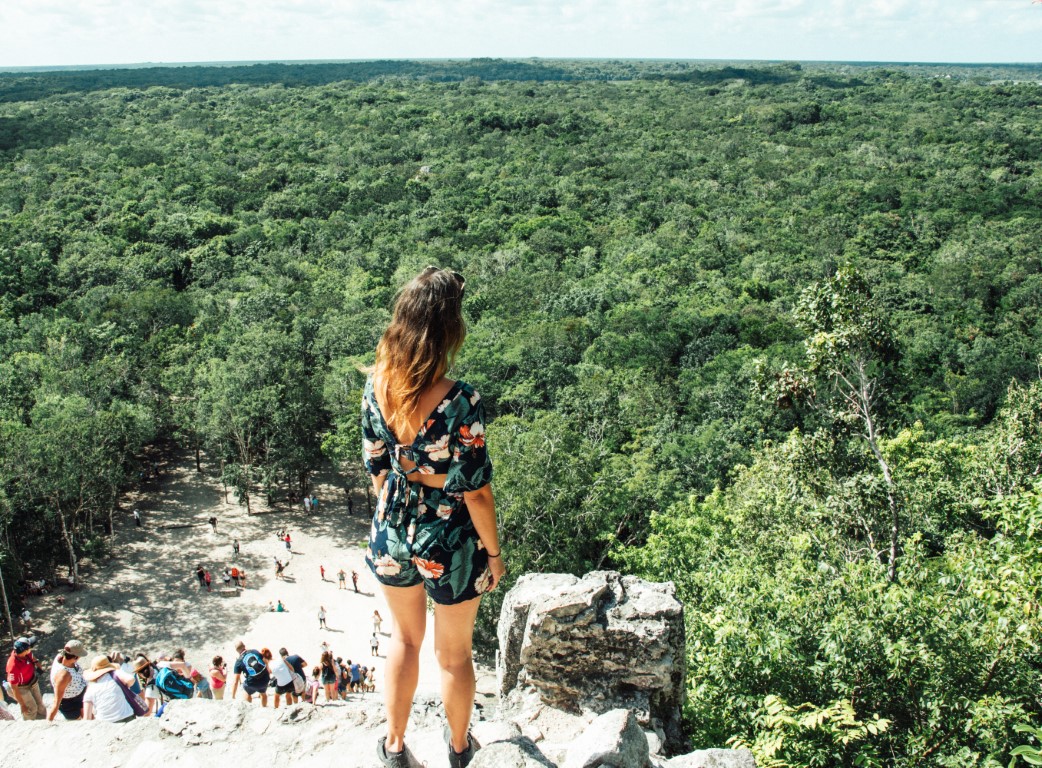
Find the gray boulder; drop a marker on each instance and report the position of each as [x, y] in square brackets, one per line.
[595, 644]
[714, 758]
[516, 753]
[613, 740]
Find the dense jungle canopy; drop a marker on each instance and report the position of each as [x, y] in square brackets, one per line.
[773, 333]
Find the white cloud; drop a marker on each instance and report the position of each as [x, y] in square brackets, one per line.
[96, 31]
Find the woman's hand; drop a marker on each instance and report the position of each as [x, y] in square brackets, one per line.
[498, 568]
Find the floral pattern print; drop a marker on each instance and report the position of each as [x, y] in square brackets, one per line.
[387, 566]
[420, 534]
[428, 568]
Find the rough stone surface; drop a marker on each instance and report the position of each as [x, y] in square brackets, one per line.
[590, 671]
[494, 731]
[517, 753]
[613, 740]
[654, 742]
[594, 644]
[714, 758]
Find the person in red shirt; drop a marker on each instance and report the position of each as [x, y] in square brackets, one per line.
[22, 674]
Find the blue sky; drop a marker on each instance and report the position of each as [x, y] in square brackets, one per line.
[53, 32]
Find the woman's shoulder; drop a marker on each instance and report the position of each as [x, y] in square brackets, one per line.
[468, 392]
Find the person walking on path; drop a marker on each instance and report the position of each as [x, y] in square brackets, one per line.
[251, 666]
[354, 580]
[322, 617]
[23, 674]
[313, 686]
[314, 504]
[330, 676]
[235, 547]
[218, 677]
[200, 573]
[287, 540]
[356, 676]
[342, 578]
[420, 428]
[283, 674]
[322, 572]
[378, 621]
[350, 506]
[145, 671]
[300, 668]
[307, 504]
[137, 518]
[67, 682]
[27, 620]
[208, 579]
[213, 523]
[374, 644]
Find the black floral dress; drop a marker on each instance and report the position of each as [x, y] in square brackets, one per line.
[421, 534]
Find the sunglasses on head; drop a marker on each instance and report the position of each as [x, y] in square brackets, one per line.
[460, 279]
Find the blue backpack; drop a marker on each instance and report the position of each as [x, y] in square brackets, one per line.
[254, 664]
[173, 685]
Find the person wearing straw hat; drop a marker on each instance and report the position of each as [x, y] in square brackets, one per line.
[104, 699]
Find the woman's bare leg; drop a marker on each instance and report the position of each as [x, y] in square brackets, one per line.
[453, 643]
[409, 607]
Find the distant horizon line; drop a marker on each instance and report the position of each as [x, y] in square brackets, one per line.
[307, 62]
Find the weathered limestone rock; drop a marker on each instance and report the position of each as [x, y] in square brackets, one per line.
[613, 740]
[595, 644]
[516, 753]
[494, 731]
[714, 758]
[591, 676]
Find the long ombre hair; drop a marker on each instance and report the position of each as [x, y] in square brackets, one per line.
[420, 344]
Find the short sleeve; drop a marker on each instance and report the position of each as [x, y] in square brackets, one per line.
[471, 467]
[374, 450]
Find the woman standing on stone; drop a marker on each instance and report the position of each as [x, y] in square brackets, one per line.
[434, 529]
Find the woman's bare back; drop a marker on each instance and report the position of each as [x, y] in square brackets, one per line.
[428, 401]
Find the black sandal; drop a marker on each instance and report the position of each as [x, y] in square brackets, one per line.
[392, 759]
[461, 759]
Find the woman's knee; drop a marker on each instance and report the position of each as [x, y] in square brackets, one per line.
[455, 660]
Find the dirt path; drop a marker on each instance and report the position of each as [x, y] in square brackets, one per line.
[147, 598]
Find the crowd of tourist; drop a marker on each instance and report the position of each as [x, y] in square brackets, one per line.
[119, 686]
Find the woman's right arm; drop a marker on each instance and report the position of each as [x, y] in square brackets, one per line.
[64, 678]
[482, 507]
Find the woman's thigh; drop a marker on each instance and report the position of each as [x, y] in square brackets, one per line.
[409, 607]
[454, 629]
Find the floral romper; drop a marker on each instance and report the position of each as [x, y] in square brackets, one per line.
[421, 534]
